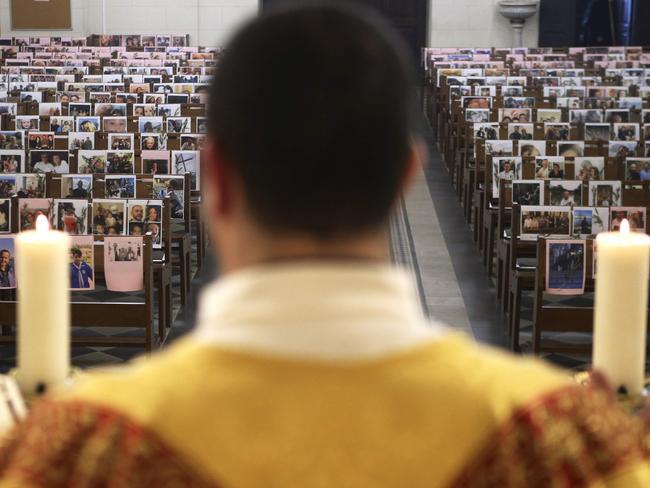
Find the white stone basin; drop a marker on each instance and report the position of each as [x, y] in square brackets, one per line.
[518, 10]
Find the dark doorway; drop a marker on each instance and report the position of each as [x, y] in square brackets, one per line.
[409, 17]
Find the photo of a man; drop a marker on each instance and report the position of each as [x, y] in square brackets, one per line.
[7, 263]
[81, 273]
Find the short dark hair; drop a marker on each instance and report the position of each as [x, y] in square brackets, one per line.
[314, 107]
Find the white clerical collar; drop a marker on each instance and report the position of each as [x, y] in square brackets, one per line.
[315, 310]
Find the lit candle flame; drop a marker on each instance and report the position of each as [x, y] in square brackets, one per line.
[625, 227]
[42, 224]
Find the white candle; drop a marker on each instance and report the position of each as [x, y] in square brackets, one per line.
[42, 267]
[621, 308]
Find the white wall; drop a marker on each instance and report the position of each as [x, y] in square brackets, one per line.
[208, 22]
[474, 23]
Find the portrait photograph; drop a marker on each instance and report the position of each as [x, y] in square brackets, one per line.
[145, 216]
[108, 217]
[79, 109]
[477, 115]
[119, 161]
[155, 162]
[556, 131]
[31, 208]
[549, 115]
[12, 161]
[169, 110]
[27, 122]
[590, 221]
[110, 109]
[545, 220]
[154, 98]
[520, 131]
[172, 187]
[531, 149]
[605, 193]
[7, 185]
[589, 168]
[7, 262]
[144, 110]
[30, 186]
[77, 186]
[486, 130]
[5, 215]
[615, 116]
[51, 109]
[40, 140]
[585, 116]
[62, 125]
[509, 115]
[202, 126]
[150, 124]
[12, 139]
[49, 161]
[71, 216]
[636, 217]
[122, 142]
[179, 124]
[190, 162]
[153, 141]
[82, 263]
[504, 168]
[626, 132]
[81, 141]
[88, 124]
[114, 124]
[622, 149]
[565, 193]
[571, 149]
[597, 132]
[528, 192]
[89, 162]
[549, 167]
[565, 267]
[637, 169]
[119, 186]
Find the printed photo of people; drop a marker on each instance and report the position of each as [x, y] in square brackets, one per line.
[10, 139]
[7, 263]
[71, 216]
[169, 110]
[615, 116]
[556, 131]
[155, 162]
[108, 217]
[82, 263]
[549, 116]
[41, 140]
[79, 109]
[114, 124]
[509, 115]
[597, 132]
[48, 161]
[528, 192]
[49, 109]
[589, 168]
[519, 132]
[30, 186]
[150, 142]
[144, 110]
[565, 267]
[119, 162]
[172, 187]
[89, 162]
[604, 193]
[622, 149]
[590, 221]
[189, 162]
[31, 208]
[637, 169]
[77, 186]
[545, 220]
[179, 124]
[626, 132]
[5, 215]
[11, 161]
[504, 169]
[62, 125]
[150, 124]
[7, 185]
[202, 125]
[532, 149]
[571, 149]
[126, 250]
[120, 186]
[27, 122]
[565, 193]
[88, 124]
[477, 115]
[121, 142]
[110, 109]
[84, 141]
[636, 217]
[487, 130]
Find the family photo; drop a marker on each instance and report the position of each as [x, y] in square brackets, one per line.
[565, 267]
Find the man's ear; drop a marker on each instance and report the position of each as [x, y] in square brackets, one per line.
[418, 158]
[218, 179]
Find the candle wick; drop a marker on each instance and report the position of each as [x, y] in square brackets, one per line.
[41, 388]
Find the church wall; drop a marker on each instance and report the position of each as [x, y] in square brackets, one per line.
[208, 22]
[473, 23]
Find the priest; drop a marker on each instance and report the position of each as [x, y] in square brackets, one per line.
[311, 364]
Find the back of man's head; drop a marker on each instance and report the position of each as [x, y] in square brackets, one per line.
[312, 107]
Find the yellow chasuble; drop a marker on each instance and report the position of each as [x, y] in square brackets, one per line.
[326, 375]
